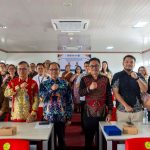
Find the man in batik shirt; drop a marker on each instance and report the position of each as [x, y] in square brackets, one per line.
[24, 93]
[98, 99]
[56, 95]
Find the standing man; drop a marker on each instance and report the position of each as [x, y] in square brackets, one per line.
[24, 92]
[41, 76]
[4, 105]
[56, 95]
[3, 69]
[149, 93]
[32, 72]
[148, 85]
[82, 99]
[97, 91]
[127, 86]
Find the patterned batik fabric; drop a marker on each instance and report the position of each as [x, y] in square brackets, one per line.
[98, 99]
[24, 101]
[128, 89]
[58, 103]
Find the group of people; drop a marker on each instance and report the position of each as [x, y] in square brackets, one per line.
[90, 91]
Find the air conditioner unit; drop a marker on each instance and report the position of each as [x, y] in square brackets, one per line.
[70, 25]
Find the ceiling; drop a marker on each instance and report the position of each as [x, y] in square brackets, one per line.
[29, 27]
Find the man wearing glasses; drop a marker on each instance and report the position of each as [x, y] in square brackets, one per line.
[97, 91]
[56, 96]
[24, 93]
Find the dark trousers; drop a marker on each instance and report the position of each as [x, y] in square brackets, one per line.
[82, 103]
[148, 115]
[2, 117]
[91, 126]
[59, 132]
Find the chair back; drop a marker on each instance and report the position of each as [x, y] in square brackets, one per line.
[14, 144]
[137, 144]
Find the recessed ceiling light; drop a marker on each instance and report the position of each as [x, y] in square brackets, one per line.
[70, 33]
[67, 4]
[109, 47]
[2, 61]
[2, 26]
[2, 40]
[71, 38]
[140, 24]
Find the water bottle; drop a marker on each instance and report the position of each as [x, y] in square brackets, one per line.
[145, 116]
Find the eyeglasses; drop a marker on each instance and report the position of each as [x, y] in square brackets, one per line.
[23, 69]
[94, 66]
[86, 66]
[11, 68]
[54, 69]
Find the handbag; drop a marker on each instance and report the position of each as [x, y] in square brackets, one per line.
[145, 97]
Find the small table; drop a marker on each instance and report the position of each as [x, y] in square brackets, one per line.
[143, 131]
[32, 132]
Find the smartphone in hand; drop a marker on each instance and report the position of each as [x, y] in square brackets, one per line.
[43, 123]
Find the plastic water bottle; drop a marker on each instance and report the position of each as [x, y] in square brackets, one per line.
[145, 116]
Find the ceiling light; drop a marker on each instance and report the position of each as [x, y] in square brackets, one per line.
[145, 40]
[71, 38]
[70, 33]
[109, 47]
[2, 40]
[140, 24]
[2, 61]
[67, 4]
[2, 26]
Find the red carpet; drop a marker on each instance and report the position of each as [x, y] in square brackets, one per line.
[74, 138]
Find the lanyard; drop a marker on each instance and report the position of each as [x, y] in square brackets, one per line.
[40, 81]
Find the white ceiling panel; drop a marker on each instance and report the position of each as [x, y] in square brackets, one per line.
[29, 27]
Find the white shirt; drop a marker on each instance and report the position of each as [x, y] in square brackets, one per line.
[82, 98]
[39, 79]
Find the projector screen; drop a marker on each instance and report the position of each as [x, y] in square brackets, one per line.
[73, 60]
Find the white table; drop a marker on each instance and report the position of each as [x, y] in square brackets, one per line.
[143, 131]
[27, 131]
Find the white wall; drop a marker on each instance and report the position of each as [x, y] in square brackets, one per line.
[14, 58]
[146, 60]
[3, 56]
[114, 59]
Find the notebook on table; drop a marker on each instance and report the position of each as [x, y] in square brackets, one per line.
[112, 130]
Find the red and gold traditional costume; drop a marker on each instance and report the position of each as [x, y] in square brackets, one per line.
[24, 101]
